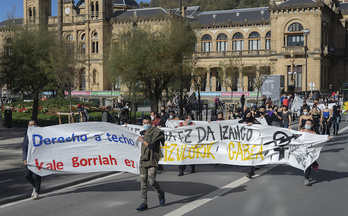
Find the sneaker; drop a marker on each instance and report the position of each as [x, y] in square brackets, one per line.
[306, 182]
[181, 173]
[193, 170]
[162, 199]
[35, 196]
[142, 207]
[250, 174]
[32, 194]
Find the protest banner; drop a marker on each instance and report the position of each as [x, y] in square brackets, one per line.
[98, 146]
[82, 148]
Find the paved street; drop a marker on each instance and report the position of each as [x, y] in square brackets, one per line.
[213, 190]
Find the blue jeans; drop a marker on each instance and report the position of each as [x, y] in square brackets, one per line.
[286, 124]
[336, 123]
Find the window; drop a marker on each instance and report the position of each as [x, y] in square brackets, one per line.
[221, 42]
[92, 9]
[69, 37]
[206, 43]
[254, 41]
[82, 48]
[94, 76]
[82, 79]
[268, 40]
[295, 35]
[96, 9]
[95, 43]
[297, 76]
[238, 41]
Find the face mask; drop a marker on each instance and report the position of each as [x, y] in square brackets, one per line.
[326, 107]
[189, 121]
[152, 118]
[127, 107]
[146, 127]
[307, 127]
[171, 117]
[305, 113]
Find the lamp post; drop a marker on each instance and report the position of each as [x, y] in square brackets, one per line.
[291, 86]
[306, 32]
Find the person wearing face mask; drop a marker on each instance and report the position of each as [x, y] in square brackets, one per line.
[304, 106]
[304, 118]
[336, 117]
[156, 120]
[276, 117]
[187, 122]
[325, 120]
[250, 120]
[231, 115]
[220, 116]
[308, 129]
[151, 140]
[164, 116]
[316, 119]
[33, 179]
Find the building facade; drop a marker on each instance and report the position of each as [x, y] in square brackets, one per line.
[273, 36]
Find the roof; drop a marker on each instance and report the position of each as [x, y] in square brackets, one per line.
[131, 3]
[142, 12]
[17, 21]
[237, 15]
[189, 12]
[288, 2]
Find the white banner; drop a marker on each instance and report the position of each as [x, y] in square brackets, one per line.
[97, 146]
[82, 148]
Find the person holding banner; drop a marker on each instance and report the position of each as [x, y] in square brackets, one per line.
[308, 128]
[304, 118]
[187, 121]
[151, 139]
[33, 179]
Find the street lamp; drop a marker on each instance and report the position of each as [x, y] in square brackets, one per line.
[306, 32]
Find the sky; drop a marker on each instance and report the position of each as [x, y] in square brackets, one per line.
[8, 6]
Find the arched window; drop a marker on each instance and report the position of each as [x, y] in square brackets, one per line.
[83, 44]
[30, 11]
[69, 37]
[268, 40]
[221, 42]
[92, 9]
[295, 35]
[96, 9]
[238, 41]
[206, 43]
[95, 43]
[254, 41]
[82, 80]
[94, 75]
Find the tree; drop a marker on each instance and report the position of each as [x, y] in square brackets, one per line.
[151, 58]
[198, 76]
[24, 64]
[64, 70]
[229, 72]
[258, 74]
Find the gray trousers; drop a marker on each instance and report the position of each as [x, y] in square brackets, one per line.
[148, 174]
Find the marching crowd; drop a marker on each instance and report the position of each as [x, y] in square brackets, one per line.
[317, 117]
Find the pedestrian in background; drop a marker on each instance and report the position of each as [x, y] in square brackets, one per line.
[242, 100]
[325, 119]
[336, 117]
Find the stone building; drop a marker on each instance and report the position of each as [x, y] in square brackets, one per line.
[272, 36]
